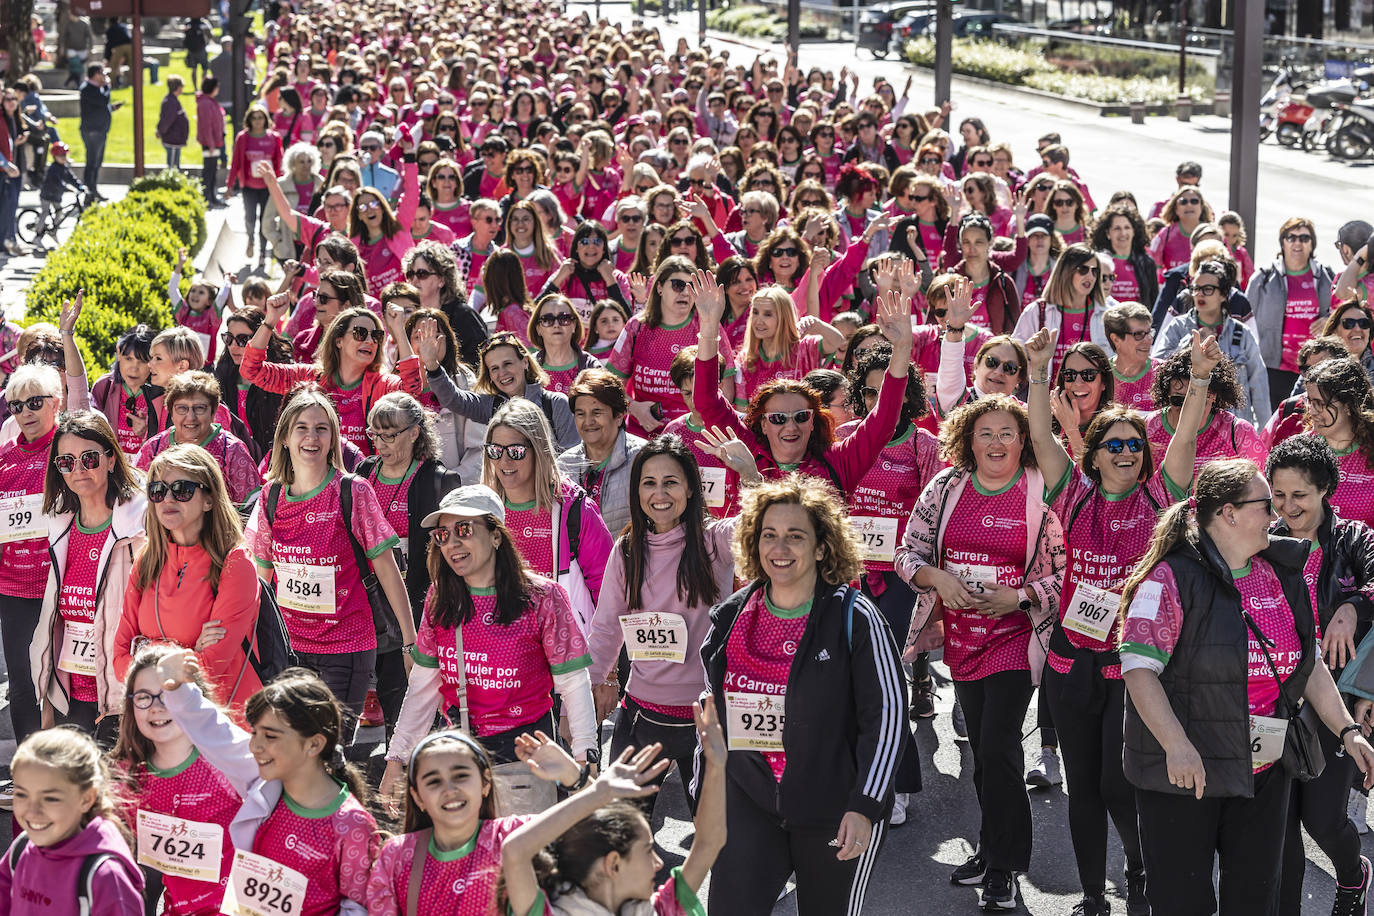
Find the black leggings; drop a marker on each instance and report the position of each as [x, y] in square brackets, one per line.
[391, 687]
[995, 708]
[1091, 744]
[637, 726]
[1320, 806]
[347, 674]
[254, 205]
[896, 604]
[18, 621]
[761, 853]
[1044, 720]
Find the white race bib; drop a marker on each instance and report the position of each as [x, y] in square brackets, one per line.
[77, 655]
[176, 846]
[712, 487]
[879, 536]
[655, 636]
[754, 721]
[583, 307]
[972, 573]
[1266, 739]
[1092, 611]
[260, 887]
[304, 588]
[21, 518]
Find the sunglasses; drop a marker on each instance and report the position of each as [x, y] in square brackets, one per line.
[1349, 324]
[930, 160]
[35, 403]
[791, 251]
[1083, 270]
[1135, 445]
[1138, 336]
[699, 182]
[869, 393]
[1188, 201]
[1301, 239]
[522, 170]
[387, 438]
[983, 164]
[462, 530]
[1010, 366]
[371, 148]
[591, 241]
[683, 240]
[514, 452]
[1268, 502]
[361, 334]
[780, 418]
[420, 273]
[446, 176]
[368, 206]
[238, 340]
[90, 460]
[181, 490]
[631, 217]
[677, 283]
[1072, 375]
[562, 319]
[1063, 202]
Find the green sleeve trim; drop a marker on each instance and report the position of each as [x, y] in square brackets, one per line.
[423, 660]
[1052, 493]
[686, 897]
[386, 545]
[576, 664]
[741, 403]
[1177, 492]
[263, 564]
[616, 372]
[1139, 648]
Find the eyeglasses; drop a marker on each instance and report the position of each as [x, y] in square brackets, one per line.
[791, 251]
[361, 334]
[1010, 366]
[1083, 270]
[1061, 202]
[1005, 437]
[461, 530]
[1206, 289]
[562, 319]
[181, 490]
[34, 403]
[631, 217]
[1135, 445]
[371, 148]
[699, 182]
[591, 241]
[327, 144]
[1349, 324]
[1072, 375]
[142, 699]
[1138, 336]
[1268, 502]
[678, 284]
[751, 211]
[238, 340]
[522, 170]
[341, 205]
[1298, 238]
[90, 460]
[182, 411]
[780, 418]
[420, 273]
[387, 438]
[367, 206]
[514, 452]
[682, 240]
[325, 297]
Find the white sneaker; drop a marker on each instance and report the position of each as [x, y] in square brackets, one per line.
[1048, 772]
[1358, 810]
[898, 815]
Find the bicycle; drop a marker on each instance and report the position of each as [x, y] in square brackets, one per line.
[32, 233]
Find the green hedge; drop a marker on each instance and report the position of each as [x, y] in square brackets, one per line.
[762, 22]
[121, 254]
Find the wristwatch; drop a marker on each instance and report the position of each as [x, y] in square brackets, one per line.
[1025, 603]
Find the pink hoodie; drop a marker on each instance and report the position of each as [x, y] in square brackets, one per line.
[43, 882]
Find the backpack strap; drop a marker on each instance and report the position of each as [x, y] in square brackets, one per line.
[269, 507]
[850, 596]
[546, 405]
[417, 871]
[84, 892]
[572, 526]
[346, 515]
[16, 848]
[834, 474]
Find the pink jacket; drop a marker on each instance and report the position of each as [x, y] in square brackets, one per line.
[922, 544]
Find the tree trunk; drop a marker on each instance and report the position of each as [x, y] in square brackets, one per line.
[17, 27]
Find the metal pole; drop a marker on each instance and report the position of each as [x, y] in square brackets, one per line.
[794, 25]
[944, 43]
[1182, 45]
[855, 26]
[701, 22]
[137, 78]
[238, 88]
[1245, 110]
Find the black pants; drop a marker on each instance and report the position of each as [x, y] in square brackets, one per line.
[254, 205]
[501, 745]
[348, 675]
[209, 175]
[1091, 743]
[761, 853]
[18, 621]
[1044, 720]
[896, 604]
[391, 687]
[1182, 837]
[1320, 807]
[1280, 387]
[637, 726]
[995, 708]
[82, 715]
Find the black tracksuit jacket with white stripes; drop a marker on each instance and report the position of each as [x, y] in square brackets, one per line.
[845, 709]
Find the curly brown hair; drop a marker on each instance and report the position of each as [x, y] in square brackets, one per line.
[842, 553]
[822, 431]
[956, 436]
[1180, 366]
[1343, 381]
[781, 236]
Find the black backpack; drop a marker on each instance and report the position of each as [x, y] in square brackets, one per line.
[273, 653]
[83, 877]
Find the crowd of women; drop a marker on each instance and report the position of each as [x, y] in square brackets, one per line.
[608, 384]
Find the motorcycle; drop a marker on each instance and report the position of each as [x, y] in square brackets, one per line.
[1354, 138]
[1326, 119]
[1276, 98]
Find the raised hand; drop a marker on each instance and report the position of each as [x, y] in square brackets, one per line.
[820, 260]
[181, 259]
[879, 223]
[1206, 353]
[907, 280]
[1040, 350]
[1064, 409]
[546, 759]
[727, 448]
[710, 735]
[708, 297]
[960, 302]
[278, 305]
[429, 345]
[633, 771]
[180, 667]
[1019, 213]
[639, 287]
[885, 275]
[893, 318]
[71, 312]
[263, 169]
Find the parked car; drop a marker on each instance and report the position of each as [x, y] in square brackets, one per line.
[876, 24]
[974, 25]
[912, 25]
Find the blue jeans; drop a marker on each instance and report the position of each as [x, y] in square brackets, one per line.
[95, 155]
[9, 206]
[173, 156]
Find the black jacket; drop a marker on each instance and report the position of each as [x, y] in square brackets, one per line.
[95, 108]
[469, 328]
[1171, 300]
[1347, 567]
[1207, 676]
[845, 710]
[429, 484]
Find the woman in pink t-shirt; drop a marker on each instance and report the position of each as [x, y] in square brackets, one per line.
[1338, 395]
[982, 547]
[777, 345]
[255, 144]
[1185, 211]
[528, 240]
[445, 188]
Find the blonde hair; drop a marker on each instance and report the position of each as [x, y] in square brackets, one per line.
[34, 378]
[528, 420]
[842, 553]
[220, 532]
[785, 336]
[181, 343]
[76, 756]
[280, 469]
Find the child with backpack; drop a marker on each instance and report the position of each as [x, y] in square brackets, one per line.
[593, 854]
[73, 851]
[178, 805]
[303, 842]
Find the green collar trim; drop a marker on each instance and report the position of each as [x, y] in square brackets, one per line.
[1132, 378]
[313, 493]
[104, 526]
[1020, 472]
[453, 855]
[316, 813]
[1242, 572]
[176, 770]
[482, 592]
[520, 507]
[390, 481]
[787, 613]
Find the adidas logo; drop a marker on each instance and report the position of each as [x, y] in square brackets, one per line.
[823, 655]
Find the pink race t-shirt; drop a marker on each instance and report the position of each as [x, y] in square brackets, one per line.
[383, 266]
[1135, 392]
[985, 541]
[1074, 329]
[457, 882]
[509, 667]
[883, 499]
[129, 441]
[309, 530]
[1124, 285]
[759, 653]
[24, 564]
[807, 355]
[515, 320]
[980, 305]
[332, 846]
[394, 497]
[1225, 436]
[1299, 311]
[561, 378]
[1354, 496]
[455, 216]
[532, 529]
[77, 598]
[643, 355]
[1035, 286]
[535, 278]
[725, 505]
[1310, 571]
